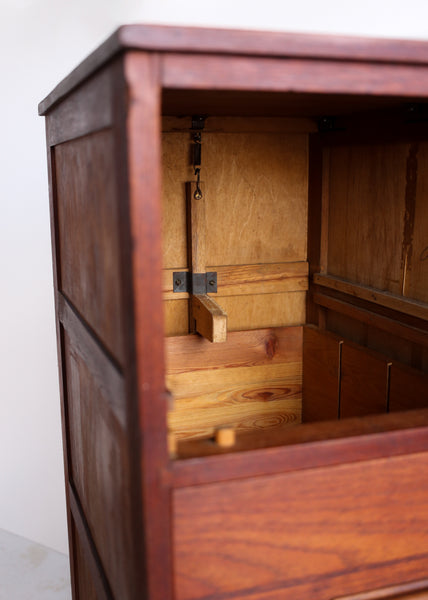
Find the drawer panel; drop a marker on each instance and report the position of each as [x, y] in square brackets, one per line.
[316, 533]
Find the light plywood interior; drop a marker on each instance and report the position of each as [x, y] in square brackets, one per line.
[254, 184]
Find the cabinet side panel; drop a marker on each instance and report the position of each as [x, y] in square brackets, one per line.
[99, 469]
[89, 252]
[271, 537]
[84, 578]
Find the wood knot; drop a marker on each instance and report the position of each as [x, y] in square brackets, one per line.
[271, 346]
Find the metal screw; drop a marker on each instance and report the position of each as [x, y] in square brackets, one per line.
[212, 282]
[178, 282]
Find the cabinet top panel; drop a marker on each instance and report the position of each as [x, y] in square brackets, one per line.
[229, 42]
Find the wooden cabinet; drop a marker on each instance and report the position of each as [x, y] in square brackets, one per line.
[269, 439]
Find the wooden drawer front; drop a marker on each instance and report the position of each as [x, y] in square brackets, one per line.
[314, 534]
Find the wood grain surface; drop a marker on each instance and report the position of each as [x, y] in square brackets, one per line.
[100, 469]
[362, 179]
[89, 248]
[321, 375]
[251, 382]
[310, 534]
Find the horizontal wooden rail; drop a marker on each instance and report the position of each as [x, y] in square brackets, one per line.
[380, 297]
[418, 336]
[241, 280]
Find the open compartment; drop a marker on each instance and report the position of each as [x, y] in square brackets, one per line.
[314, 224]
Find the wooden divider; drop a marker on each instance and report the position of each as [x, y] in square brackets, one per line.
[343, 380]
[321, 375]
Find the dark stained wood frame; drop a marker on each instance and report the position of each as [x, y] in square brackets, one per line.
[131, 69]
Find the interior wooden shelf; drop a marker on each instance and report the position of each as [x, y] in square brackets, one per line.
[382, 298]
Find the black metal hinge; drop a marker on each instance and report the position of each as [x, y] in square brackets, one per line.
[194, 283]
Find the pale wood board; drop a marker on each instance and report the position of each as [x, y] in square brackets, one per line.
[250, 182]
[242, 349]
[244, 398]
[265, 310]
[366, 212]
[243, 280]
[252, 381]
[243, 312]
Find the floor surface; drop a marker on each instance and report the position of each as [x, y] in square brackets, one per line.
[29, 571]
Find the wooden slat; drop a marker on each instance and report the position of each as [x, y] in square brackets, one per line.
[321, 375]
[245, 398]
[399, 303]
[364, 316]
[284, 450]
[363, 382]
[253, 547]
[237, 280]
[223, 124]
[210, 318]
[243, 348]
[408, 388]
[196, 227]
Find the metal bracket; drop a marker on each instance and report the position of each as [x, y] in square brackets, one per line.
[194, 283]
[198, 122]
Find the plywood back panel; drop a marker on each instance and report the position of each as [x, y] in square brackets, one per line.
[252, 381]
[255, 185]
[89, 249]
[319, 533]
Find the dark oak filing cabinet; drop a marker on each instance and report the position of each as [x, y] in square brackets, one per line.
[240, 243]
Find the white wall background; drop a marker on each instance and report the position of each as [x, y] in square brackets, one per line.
[42, 40]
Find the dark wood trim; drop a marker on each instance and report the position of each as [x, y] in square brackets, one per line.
[418, 336]
[102, 366]
[60, 354]
[133, 437]
[254, 43]
[99, 578]
[88, 110]
[144, 147]
[387, 299]
[302, 447]
[295, 75]
[315, 183]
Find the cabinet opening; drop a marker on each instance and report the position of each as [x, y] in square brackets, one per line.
[315, 224]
